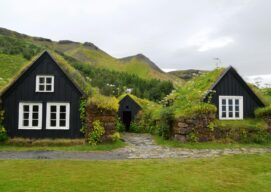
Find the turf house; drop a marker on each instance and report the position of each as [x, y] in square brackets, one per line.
[128, 109]
[44, 101]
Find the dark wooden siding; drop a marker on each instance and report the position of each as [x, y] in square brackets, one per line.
[128, 104]
[24, 90]
[233, 85]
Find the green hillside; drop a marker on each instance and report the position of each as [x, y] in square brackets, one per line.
[90, 54]
[187, 75]
[112, 76]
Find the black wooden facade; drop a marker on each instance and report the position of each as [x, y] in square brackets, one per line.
[23, 90]
[231, 83]
[128, 108]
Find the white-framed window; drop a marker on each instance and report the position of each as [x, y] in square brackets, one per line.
[230, 107]
[30, 115]
[45, 83]
[58, 116]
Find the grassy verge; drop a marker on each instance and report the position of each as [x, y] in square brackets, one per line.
[81, 147]
[206, 145]
[248, 173]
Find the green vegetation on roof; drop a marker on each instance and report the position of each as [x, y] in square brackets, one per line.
[189, 97]
[103, 102]
[9, 65]
[146, 105]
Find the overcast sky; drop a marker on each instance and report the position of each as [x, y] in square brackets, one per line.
[175, 34]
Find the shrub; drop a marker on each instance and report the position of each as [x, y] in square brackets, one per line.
[3, 134]
[134, 127]
[115, 137]
[95, 135]
[264, 112]
[166, 122]
[120, 126]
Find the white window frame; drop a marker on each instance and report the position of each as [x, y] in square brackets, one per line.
[241, 107]
[48, 116]
[30, 118]
[45, 83]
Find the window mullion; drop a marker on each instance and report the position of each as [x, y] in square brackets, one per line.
[57, 115]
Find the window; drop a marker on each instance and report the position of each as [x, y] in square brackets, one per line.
[58, 115]
[44, 83]
[30, 115]
[230, 107]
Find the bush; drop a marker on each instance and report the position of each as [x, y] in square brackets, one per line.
[95, 135]
[134, 127]
[166, 123]
[120, 126]
[3, 134]
[115, 137]
[264, 112]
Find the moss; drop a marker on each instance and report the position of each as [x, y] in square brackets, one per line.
[263, 112]
[188, 98]
[103, 102]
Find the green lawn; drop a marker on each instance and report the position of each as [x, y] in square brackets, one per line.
[206, 145]
[248, 173]
[83, 147]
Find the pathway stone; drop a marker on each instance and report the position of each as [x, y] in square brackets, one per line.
[139, 146]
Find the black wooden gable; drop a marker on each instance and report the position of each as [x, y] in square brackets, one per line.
[233, 72]
[44, 57]
[127, 102]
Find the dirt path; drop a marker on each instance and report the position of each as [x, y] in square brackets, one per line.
[139, 146]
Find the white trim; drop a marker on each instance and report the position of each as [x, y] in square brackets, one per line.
[241, 107]
[45, 77]
[30, 117]
[48, 116]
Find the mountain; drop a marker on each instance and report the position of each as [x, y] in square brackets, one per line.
[87, 53]
[187, 75]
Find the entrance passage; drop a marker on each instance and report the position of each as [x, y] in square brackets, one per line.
[127, 118]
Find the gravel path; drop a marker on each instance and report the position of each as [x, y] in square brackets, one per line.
[139, 146]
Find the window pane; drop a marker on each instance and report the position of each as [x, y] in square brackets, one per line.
[62, 108]
[26, 115]
[62, 115]
[41, 87]
[35, 123]
[53, 115]
[237, 114]
[236, 101]
[49, 80]
[48, 88]
[236, 108]
[230, 101]
[25, 123]
[35, 108]
[224, 114]
[41, 80]
[26, 108]
[35, 115]
[62, 123]
[223, 108]
[53, 108]
[53, 123]
[223, 101]
[230, 114]
[230, 108]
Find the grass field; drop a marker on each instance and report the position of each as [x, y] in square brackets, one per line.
[206, 145]
[82, 147]
[248, 173]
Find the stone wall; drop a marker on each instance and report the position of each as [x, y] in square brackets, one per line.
[106, 117]
[194, 128]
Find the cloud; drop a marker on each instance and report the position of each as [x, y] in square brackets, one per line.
[179, 34]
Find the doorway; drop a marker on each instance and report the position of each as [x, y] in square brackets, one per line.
[127, 118]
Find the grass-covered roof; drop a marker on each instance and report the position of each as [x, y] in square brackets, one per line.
[74, 75]
[192, 93]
